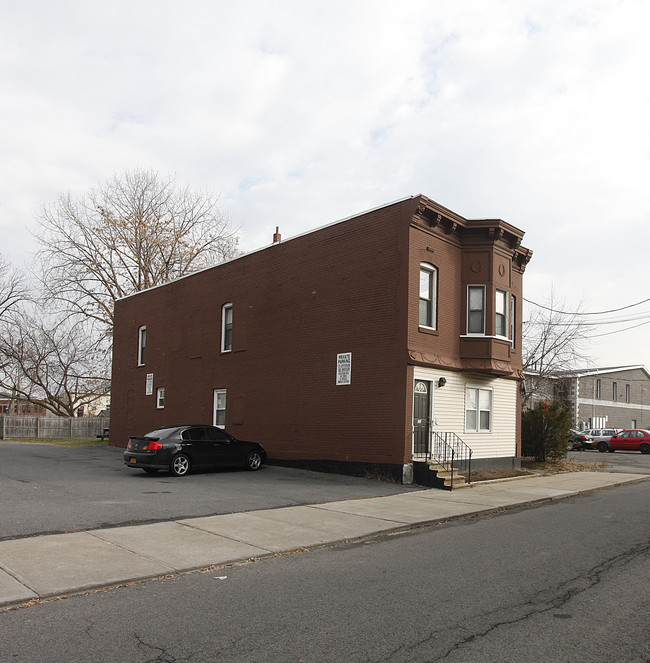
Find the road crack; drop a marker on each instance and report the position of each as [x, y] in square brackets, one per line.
[546, 600]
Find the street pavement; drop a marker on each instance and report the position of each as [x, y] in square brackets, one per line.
[55, 565]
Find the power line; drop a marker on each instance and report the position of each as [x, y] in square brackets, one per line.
[591, 323]
[618, 331]
[614, 310]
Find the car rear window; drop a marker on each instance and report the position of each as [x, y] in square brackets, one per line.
[161, 432]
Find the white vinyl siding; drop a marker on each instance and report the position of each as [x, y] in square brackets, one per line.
[449, 411]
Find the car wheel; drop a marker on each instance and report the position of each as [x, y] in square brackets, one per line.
[150, 470]
[253, 461]
[645, 448]
[180, 465]
[602, 447]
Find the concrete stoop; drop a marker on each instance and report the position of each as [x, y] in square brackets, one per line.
[447, 477]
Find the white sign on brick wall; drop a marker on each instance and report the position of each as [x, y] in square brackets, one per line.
[344, 368]
[149, 390]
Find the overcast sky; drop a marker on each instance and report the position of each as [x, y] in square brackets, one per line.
[300, 113]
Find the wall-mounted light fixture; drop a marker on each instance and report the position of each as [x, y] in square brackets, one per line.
[442, 382]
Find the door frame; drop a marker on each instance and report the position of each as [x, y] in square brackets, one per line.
[430, 382]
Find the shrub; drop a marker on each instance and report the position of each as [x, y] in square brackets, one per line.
[544, 431]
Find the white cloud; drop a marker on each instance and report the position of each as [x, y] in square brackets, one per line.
[303, 113]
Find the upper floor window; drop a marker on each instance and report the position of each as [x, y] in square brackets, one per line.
[478, 410]
[142, 345]
[597, 388]
[226, 328]
[428, 288]
[476, 309]
[628, 394]
[160, 398]
[501, 313]
[614, 391]
[513, 318]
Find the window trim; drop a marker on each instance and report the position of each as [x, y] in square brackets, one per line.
[513, 319]
[478, 389]
[482, 288]
[216, 394]
[505, 314]
[432, 271]
[160, 398]
[226, 327]
[142, 345]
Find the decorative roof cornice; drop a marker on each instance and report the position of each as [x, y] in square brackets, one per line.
[434, 216]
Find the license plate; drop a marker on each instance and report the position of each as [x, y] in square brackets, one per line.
[132, 460]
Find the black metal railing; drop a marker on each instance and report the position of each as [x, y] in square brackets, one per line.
[449, 451]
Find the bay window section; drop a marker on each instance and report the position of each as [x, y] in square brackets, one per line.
[476, 309]
[501, 313]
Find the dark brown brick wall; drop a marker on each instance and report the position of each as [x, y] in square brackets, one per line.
[349, 287]
[296, 305]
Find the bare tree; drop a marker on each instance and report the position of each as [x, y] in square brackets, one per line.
[136, 231]
[554, 341]
[55, 364]
[13, 289]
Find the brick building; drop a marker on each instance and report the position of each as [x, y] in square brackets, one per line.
[611, 397]
[346, 348]
[19, 406]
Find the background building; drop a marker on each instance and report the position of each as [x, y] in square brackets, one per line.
[612, 397]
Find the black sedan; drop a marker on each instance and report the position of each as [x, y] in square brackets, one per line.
[180, 449]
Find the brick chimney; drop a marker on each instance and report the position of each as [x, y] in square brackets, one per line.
[277, 237]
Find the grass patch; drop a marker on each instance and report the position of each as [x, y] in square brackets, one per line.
[530, 467]
[490, 474]
[564, 465]
[61, 441]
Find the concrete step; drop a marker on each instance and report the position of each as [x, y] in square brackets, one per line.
[449, 478]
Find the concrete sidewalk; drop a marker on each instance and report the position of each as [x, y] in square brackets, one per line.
[54, 565]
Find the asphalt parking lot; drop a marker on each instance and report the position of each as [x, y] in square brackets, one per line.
[49, 489]
[632, 462]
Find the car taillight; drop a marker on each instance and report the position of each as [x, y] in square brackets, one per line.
[152, 446]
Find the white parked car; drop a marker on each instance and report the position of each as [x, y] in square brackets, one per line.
[600, 435]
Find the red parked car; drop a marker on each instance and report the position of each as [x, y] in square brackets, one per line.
[628, 440]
